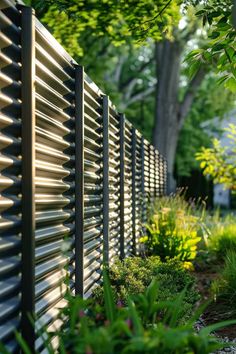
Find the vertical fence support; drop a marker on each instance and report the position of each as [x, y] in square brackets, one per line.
[155, 174]
[134, 189]
[165, 177]
[105, 115]
[28, 173]
[122, 186]
[79, 180]
[149, 175]
[142, 178]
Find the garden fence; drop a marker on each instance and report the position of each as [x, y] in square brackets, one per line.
[76, 178]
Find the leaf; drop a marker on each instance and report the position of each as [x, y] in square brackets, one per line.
[24, 346]
[136, 321]
[214, 34]
[209, 329]
[108, 297]
[231, 84]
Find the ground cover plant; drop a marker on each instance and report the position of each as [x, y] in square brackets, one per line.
[132, 276]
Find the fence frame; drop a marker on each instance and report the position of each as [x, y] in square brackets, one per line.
[87, 102]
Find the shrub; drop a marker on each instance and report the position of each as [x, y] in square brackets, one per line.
[137, 328]
[225, 286]
[132, 276]
[172, 230]
[223, 239]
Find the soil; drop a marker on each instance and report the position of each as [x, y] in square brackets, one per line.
[218, 310]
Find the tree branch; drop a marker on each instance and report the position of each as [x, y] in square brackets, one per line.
[139, 96]
[118, 69]
[130, 88]
[193, 86]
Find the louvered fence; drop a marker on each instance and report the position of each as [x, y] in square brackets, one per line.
[74, 174]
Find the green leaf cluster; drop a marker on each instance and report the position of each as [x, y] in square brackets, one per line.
[172, 230]
[138, 327]
[210, 102]
[219, 161]
[222, 239]
[220, 48]
[132, 276]
[117, 20]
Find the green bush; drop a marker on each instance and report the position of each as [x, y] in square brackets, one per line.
[132, 276]
[172, 230]
[225, 286]
[223, 239]
[137, 328]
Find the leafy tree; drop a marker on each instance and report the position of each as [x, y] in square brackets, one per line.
[220, 161]
[111, 31]
[210, 102]
[117, 20]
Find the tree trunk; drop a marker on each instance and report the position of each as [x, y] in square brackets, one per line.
[169, 112]
[166, 127]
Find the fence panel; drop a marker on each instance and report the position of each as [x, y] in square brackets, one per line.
[11, 173]
[76, 179]
[54, 177]
[93, 183]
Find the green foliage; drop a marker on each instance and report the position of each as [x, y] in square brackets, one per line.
[222, 239]
[172, 230]
[220, 162]
[137, 328]
[132, 276]
[225, 286]
[210, 102]
[117, 20]
[219, 50]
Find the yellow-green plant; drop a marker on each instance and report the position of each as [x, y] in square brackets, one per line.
[219, 161]
[172, 230]
[223, 239]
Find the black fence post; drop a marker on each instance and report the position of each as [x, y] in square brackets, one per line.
[149, 175]
[79, 180]
[28, 173]
[142, 179]
[105, 115]
[165, 177]
[122, 186]
[155, 174]
[134, 190]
